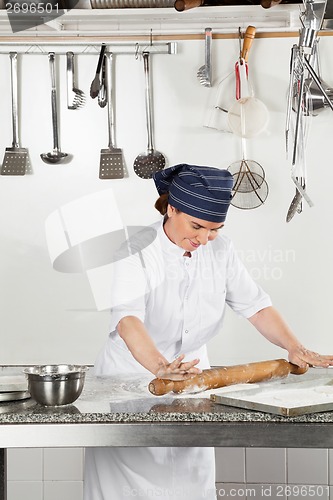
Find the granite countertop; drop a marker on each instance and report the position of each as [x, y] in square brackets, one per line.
[126, 399]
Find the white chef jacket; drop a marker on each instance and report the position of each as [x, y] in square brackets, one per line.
[181, 300]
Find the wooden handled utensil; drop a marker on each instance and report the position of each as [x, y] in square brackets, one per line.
[249, 36]
[214, 378]
[247, 116]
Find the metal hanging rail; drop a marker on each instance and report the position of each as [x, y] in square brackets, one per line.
[163, 44]
[120, 48]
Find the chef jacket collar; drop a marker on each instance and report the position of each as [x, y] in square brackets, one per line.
[168, 246]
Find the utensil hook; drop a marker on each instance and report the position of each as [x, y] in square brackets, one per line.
[146, 57]
[240, 37]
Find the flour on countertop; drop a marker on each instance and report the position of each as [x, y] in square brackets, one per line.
[290, 395]
[293, 398]
[131, 387]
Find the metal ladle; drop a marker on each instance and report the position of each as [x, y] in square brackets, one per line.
[56, 156]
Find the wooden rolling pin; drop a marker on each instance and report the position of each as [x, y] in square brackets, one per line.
[227, 375]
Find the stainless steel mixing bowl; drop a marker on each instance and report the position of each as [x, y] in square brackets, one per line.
[55, 385]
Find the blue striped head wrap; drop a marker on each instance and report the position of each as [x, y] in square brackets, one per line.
[203, 192]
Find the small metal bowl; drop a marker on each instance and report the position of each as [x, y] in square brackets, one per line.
[55, 385]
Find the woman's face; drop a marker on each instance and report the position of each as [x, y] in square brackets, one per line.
[189, 232]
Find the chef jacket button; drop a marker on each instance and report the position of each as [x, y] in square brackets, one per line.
[186, 331]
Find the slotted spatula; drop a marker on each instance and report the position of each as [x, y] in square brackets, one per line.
[111, 159]
[16, 159]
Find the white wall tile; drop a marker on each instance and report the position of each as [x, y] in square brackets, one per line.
[25, 490]
[265, 465]
[25, 464]
[330, 466]
[64, 490]
[269, 491]
[307, 466]
[64, 464]
[230, 465]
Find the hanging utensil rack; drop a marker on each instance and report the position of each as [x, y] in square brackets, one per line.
[301, 71]
[118, 48]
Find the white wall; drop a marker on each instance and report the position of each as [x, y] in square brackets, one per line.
[47, 316]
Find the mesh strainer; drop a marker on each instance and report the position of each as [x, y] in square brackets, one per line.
[248, 175]
[251, 199]
[250, 188]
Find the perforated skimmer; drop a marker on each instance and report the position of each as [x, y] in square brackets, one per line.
[145, 165]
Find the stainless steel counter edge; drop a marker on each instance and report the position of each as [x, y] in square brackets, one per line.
[237, 434]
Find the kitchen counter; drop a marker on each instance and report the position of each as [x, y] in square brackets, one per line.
[120, 411]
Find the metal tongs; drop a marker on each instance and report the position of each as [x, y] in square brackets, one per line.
[96, 84]
[102, 95]
[300, 70]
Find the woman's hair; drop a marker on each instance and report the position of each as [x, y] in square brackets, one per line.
[162, 203]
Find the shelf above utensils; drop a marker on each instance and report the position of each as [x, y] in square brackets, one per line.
[162, 21]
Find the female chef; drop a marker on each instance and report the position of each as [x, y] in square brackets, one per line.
[169, 298]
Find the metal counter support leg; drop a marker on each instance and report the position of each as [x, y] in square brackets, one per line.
[3, 474]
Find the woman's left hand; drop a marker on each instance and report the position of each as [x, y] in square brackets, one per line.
[177, 369]
[302, 357]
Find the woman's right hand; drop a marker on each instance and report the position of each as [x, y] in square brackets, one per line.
[177, 370]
